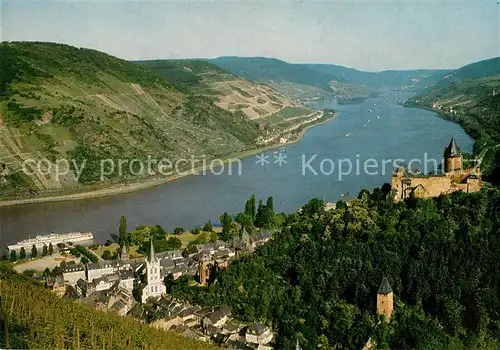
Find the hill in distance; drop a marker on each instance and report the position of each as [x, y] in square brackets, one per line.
[59, 101]
[471, 96]
[324, 80]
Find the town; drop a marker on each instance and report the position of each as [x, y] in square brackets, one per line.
[135, 287]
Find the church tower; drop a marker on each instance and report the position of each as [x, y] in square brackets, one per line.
[452, 157]
[385, 300]
[155, 286]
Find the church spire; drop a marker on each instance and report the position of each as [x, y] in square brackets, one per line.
[151, 255]
[452, 149]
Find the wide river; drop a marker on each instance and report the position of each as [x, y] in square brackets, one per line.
[379, 129]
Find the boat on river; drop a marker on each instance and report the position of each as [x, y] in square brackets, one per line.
[53, 238]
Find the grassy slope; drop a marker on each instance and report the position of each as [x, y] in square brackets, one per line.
[60, 101]
[471, 97]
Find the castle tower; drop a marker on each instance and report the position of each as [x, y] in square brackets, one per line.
[452, 157]
[155, 286]
[385, 300]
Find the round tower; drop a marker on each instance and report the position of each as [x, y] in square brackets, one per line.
[452, 157]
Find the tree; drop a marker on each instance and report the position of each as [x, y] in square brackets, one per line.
[178, 230]
[84, 260]
[22, 254]
[196, 230]
[173, 243]
[245, 221]
[122, 232]
[46, 272]
[13, 255]
[140, 235]
[34, 251]
[265, 215]
[226, 226]
[214, 237]
[45, 250]
[106, 255]
[51, 249]
[270, 203]
[250, 207]
[208, 227]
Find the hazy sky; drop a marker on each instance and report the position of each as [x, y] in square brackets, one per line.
[369, 35]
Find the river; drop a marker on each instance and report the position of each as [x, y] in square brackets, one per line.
[356, 135]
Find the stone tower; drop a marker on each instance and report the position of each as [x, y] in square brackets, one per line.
[452, 157]
[155, 287]
[202, 271]
[385, 300]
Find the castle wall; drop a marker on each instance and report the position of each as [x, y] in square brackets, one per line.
[433, 186]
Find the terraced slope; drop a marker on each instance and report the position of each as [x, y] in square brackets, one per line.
[62, 102]
[231, 93]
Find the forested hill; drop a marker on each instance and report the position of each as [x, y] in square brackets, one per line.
[471, 97]
[32, 317]
[316, 281]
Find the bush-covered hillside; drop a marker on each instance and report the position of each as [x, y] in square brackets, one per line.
[316, 281]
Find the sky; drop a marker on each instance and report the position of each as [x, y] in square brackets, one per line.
[367, 35]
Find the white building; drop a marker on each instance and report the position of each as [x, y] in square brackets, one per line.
[72, 273]
[155, 286]
[105, 268]
[127, 280]
[258, 333]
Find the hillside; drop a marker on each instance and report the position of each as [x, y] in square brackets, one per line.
[316, 280]
[32, 317]
[306, 81]
[63, 102]
[477, 70]
[232, 93]
[390, 79]
[295, 80]
[470, 96]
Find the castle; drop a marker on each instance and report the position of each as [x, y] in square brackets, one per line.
[454, 178]
[155, 286]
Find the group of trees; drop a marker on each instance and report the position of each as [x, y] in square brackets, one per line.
[87, 255]
[46, 250]
[252, 218]
[316, 281]
[142, 235]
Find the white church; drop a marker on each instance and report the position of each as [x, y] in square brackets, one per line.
[155, 286]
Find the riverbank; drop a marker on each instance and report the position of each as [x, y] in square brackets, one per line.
[122, 188]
